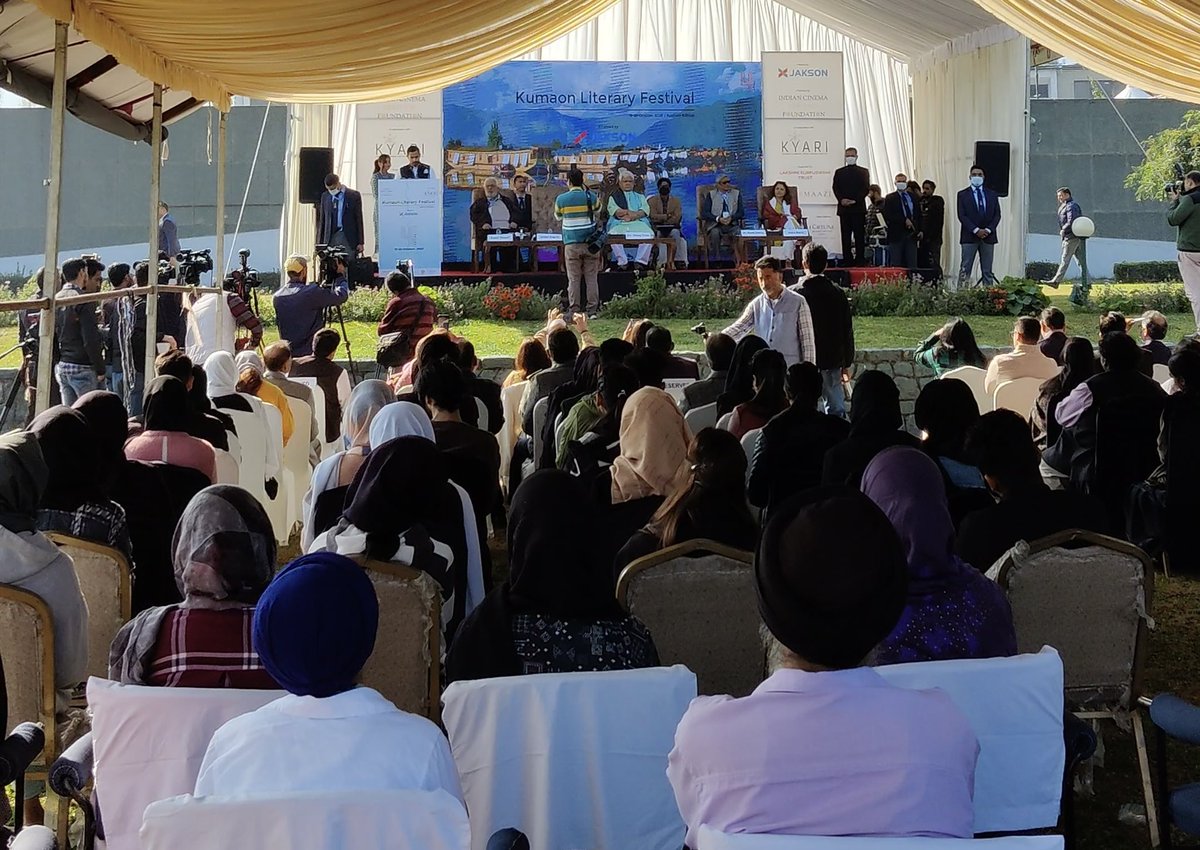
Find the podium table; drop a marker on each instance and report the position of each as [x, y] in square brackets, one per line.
[531, 242]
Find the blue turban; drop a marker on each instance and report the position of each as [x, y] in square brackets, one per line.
[314, 627]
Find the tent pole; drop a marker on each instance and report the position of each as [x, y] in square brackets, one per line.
[221, 264]
[156, 140]
[58, 113]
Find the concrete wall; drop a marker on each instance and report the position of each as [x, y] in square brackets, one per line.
[106, 181]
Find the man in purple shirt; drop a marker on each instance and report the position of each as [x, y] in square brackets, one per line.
[825, 746]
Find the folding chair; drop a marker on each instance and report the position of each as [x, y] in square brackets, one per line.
[699, 418]
[1019, 395]
[107, 585]
[974, 378]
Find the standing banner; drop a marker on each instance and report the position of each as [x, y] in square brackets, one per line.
[391, 128]
[804, 133]
[410, 225]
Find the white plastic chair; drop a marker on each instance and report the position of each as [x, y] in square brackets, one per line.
[1015, 708]
[749, 444]
[571, 759]
[295, 457]
[723, 422]
[484, 419]
[148, 744]
[699, 418]
[974, 378]
[711, 839]
[396, 820]
[278, 508]
[328, 446]
[1161, 372]
[674, 387]
[253, 438]
[539, 422]
[510, 401]
[227, 468]
[1019, 395]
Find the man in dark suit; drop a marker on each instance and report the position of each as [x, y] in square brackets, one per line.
[832, 325]
[340, 217]
[979, 215]
[903, 217]
[492, 212]
[415, 169]
[522, 203]
[933, 220]
[850, 185]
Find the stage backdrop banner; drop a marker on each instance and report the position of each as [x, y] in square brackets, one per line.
[804, 133]
[689, 121]
[390, 128]
[410, 225]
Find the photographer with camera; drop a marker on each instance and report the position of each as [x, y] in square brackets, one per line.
[1185, 215]
[583, 242]
[300, 306]
[236, 328]
[81, 366]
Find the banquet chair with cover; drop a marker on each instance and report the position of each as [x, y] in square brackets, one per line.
[106, 582]
[1018, 395]
[699, 418]
[974, 378]
[227, 468]
[711, 839]
[1160, 372]
[405, 664]
[295, 457]
[28, 648]
[1015, 708]
[252, 471]
[571, 759]
[279, 508]
[1090, 597]
[328, 445]
[699, 601]
[146, 744]
[510, 402]
[723, 422]
[396, 820]
[540, 411]
[749, 445]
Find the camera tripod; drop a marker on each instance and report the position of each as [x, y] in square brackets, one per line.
[18, 380]
[335, 313]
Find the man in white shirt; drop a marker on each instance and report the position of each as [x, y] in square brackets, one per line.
[314, 629]
[1024, 361]
[781, 317]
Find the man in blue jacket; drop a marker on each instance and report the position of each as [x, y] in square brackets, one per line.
[1068, 211]
[300, 305]
[979, 215]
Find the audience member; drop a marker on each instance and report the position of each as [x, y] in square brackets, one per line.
[209, 330]
[75, 499]
[331, 378]
[875, 424]
[223, 391]
[953, 611]
[636, 331]
[79, 347]
[1024, 361]
[945, 411]
[585, 454]
[950, 347]
[277, 363]
[224, 556]
[718, 348]
[768, 369]
[825, 746]
[1001, 446]
[709, 504]
[564, 348]
[314, 629]
[407, 311]
[203, 420]
[557, 612]
[531, 357]
[165, 437]
[126, 322]
[778, 315]
[333, 476]
[480, 389]
[251, 382]
[1079, 364]
[1114, 322]
[791, 447]
[1154, 331]
[1054, 335]
[564, 398]
[832, 324]
[739, 384]
[659, 341]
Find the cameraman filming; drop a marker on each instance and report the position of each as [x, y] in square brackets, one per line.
[300, 305]
[1185, 214]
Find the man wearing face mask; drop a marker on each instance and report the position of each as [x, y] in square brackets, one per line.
[666, 217]
[903, 216]
[340, 221]
[851, 183]
[979, 215]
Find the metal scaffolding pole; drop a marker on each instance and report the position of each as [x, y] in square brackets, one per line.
[58, 113]
[220, 264]
[156, 140]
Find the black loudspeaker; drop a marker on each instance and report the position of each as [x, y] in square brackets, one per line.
[993, 158]
[315, 165]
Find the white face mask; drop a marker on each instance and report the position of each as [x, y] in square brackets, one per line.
[851, 160]
[901, 187]
[334, 191]
[976, 180]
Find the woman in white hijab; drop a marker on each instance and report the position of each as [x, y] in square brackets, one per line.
[337, 471]
[222, 375]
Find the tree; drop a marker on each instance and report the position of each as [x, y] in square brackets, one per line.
[1177, 145]
[495, 139]
[454, 143]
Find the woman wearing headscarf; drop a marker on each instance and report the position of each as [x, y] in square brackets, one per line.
[208, 423]
[583, 455]
[875, 425]
[739, 383]
[76, 501]
[223, 554]
[557, 612]
[944, 411]
[166, 412]
[222, 375]
[710, 503]
[330, 480]
[314, 630]
[953, 610]
[767, 370]
[1079, 364]
[250, 381]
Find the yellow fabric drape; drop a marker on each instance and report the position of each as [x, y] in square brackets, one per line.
[314, 51]
[1147, 43]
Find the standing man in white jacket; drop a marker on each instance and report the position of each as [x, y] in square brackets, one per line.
[778, 315]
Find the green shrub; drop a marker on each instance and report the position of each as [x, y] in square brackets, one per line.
[461, 301]
[1155, 271]
[19, 289]
[1164, 297]
[1039, 270]
[1023, 297]
[657, 299]
[901, 298]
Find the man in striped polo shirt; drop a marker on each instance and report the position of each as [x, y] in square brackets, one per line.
[576, 208]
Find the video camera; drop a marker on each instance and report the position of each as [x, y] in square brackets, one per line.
[1175, 187]
[329, 257]
[191, 265]
[244, 278]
